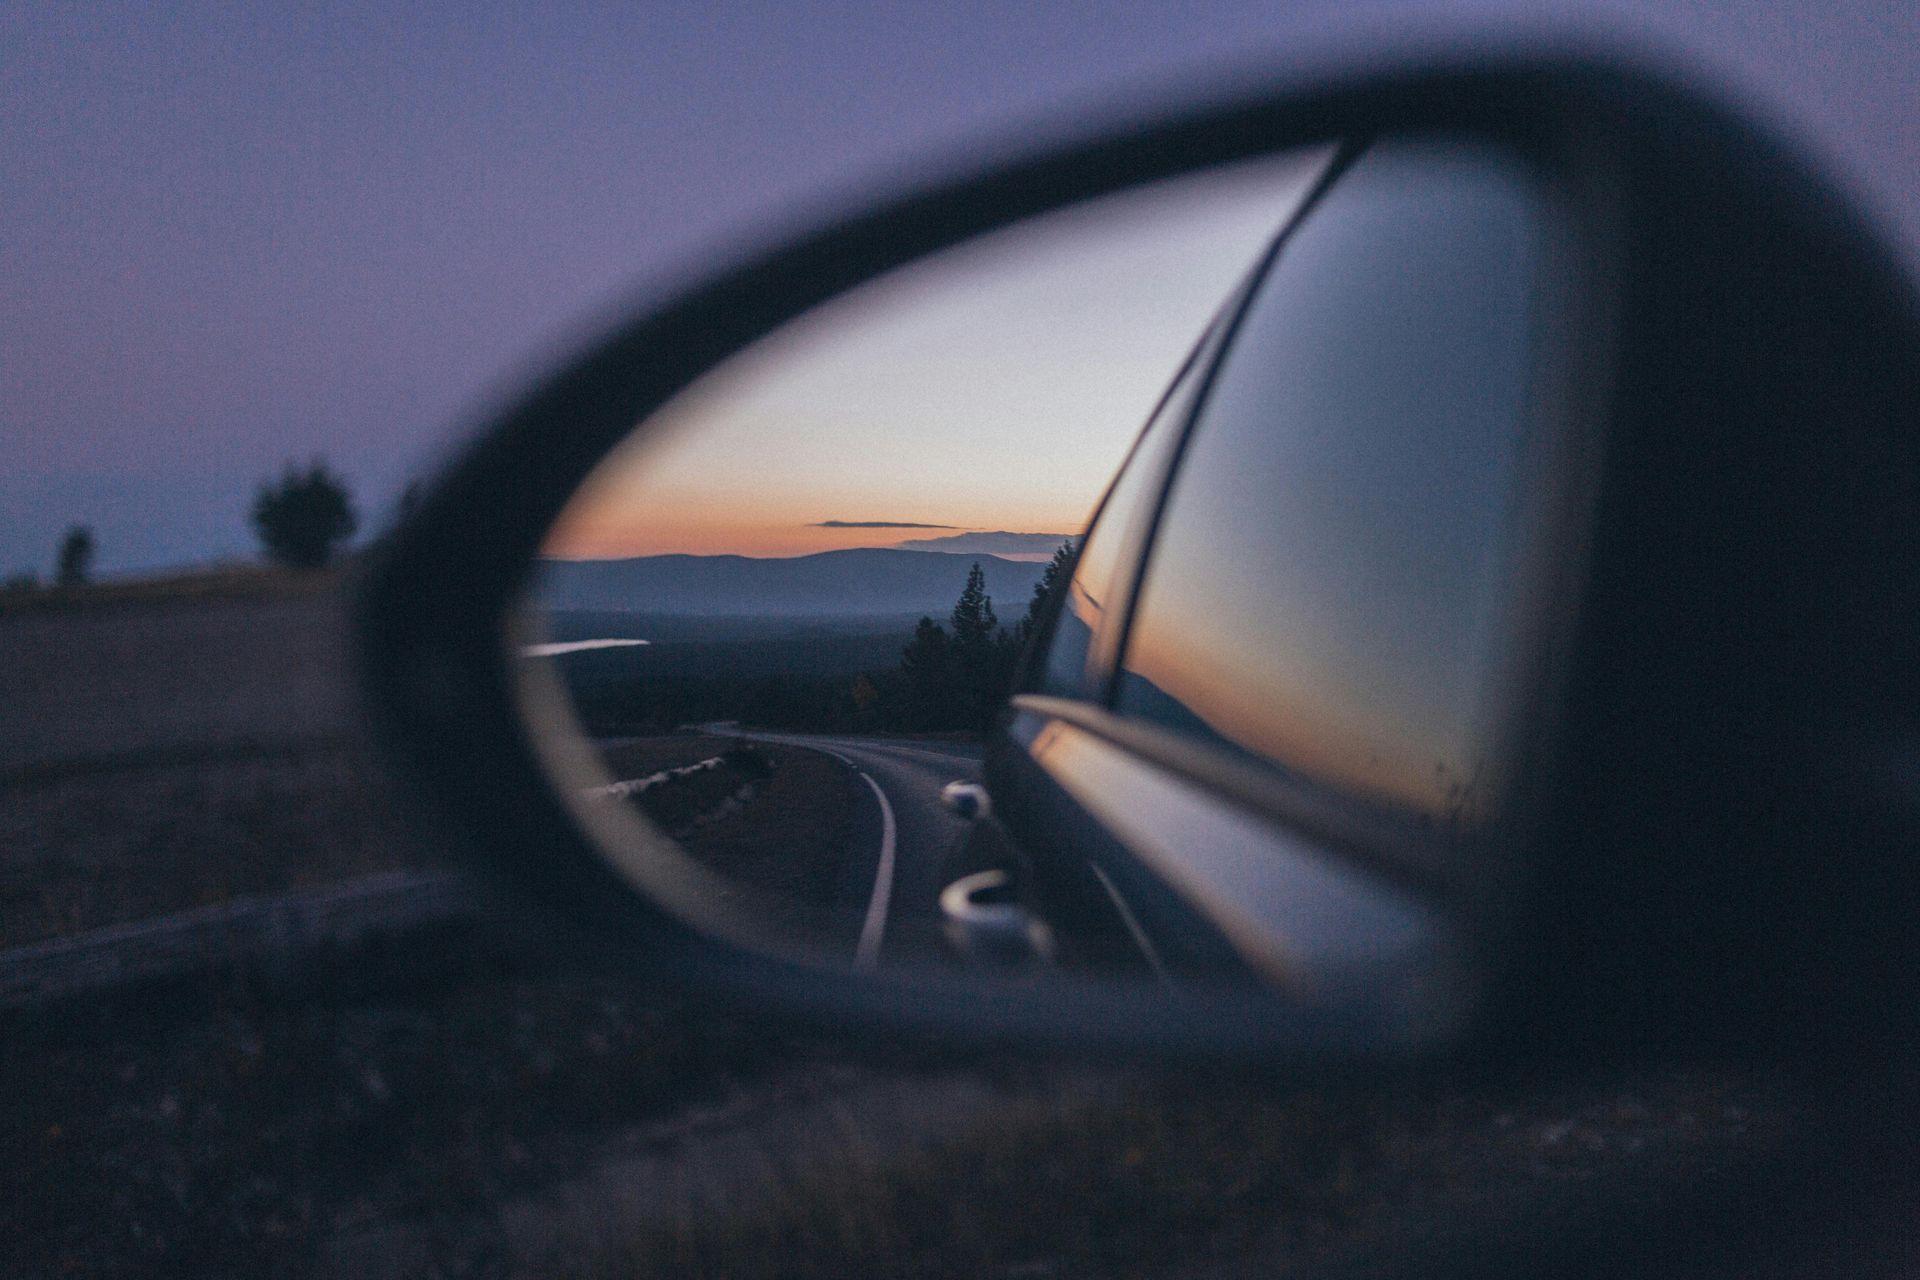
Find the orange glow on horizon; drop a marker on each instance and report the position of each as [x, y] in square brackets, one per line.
[993, 387]
[705, 528]
[718, 539]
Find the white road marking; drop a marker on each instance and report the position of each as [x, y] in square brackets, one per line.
[634, 786]
[868, 952]
[1140, 938]
[555, 649]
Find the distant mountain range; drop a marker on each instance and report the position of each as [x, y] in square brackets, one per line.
[999, 542]
[863, 582]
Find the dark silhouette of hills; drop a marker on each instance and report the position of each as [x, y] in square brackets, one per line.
[863, 582]
[997, 542]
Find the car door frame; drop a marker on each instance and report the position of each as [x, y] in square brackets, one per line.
[1318, 846]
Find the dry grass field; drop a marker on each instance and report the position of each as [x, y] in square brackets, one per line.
[86, 847]
[202, 586]
[119, 682]
[469, 1107]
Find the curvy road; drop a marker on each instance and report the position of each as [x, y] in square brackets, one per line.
[900, 839]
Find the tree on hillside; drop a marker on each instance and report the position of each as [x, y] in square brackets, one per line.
[1023, 630]
[973, 620]
[304, 516]
[981, 654]
[959, 679]
[75, 563]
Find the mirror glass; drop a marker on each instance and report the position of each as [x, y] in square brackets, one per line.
[778, 628]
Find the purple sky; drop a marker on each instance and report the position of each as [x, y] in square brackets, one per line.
[232, 235]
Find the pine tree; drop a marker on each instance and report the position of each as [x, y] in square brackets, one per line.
[973, 620]
[1024, 630]
[983, 655]
[960, 680]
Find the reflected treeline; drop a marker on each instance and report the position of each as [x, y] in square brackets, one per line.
[941, 676]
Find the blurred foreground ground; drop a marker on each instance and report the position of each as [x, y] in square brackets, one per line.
[132, 673]
[465, 1107]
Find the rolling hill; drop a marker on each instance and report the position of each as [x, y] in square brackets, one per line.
[872, 583]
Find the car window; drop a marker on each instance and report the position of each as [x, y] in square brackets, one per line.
[1112, 545]
[1329, 577]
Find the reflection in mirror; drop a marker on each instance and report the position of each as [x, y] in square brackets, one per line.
[784, 613]
[1261, 746]
[1370, 426]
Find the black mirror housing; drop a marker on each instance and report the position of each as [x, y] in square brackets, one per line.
[1733, 854]
[1718, 836]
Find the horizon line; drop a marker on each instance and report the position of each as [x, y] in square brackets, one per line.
[801, 555]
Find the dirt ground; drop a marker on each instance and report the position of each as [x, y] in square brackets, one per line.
[86, 847]
[465, 1107]
[500, 1121]
[123, 681]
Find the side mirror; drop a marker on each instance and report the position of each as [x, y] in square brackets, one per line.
[1539, 680]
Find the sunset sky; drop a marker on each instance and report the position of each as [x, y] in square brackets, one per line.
[995, 387]
[234, 235]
